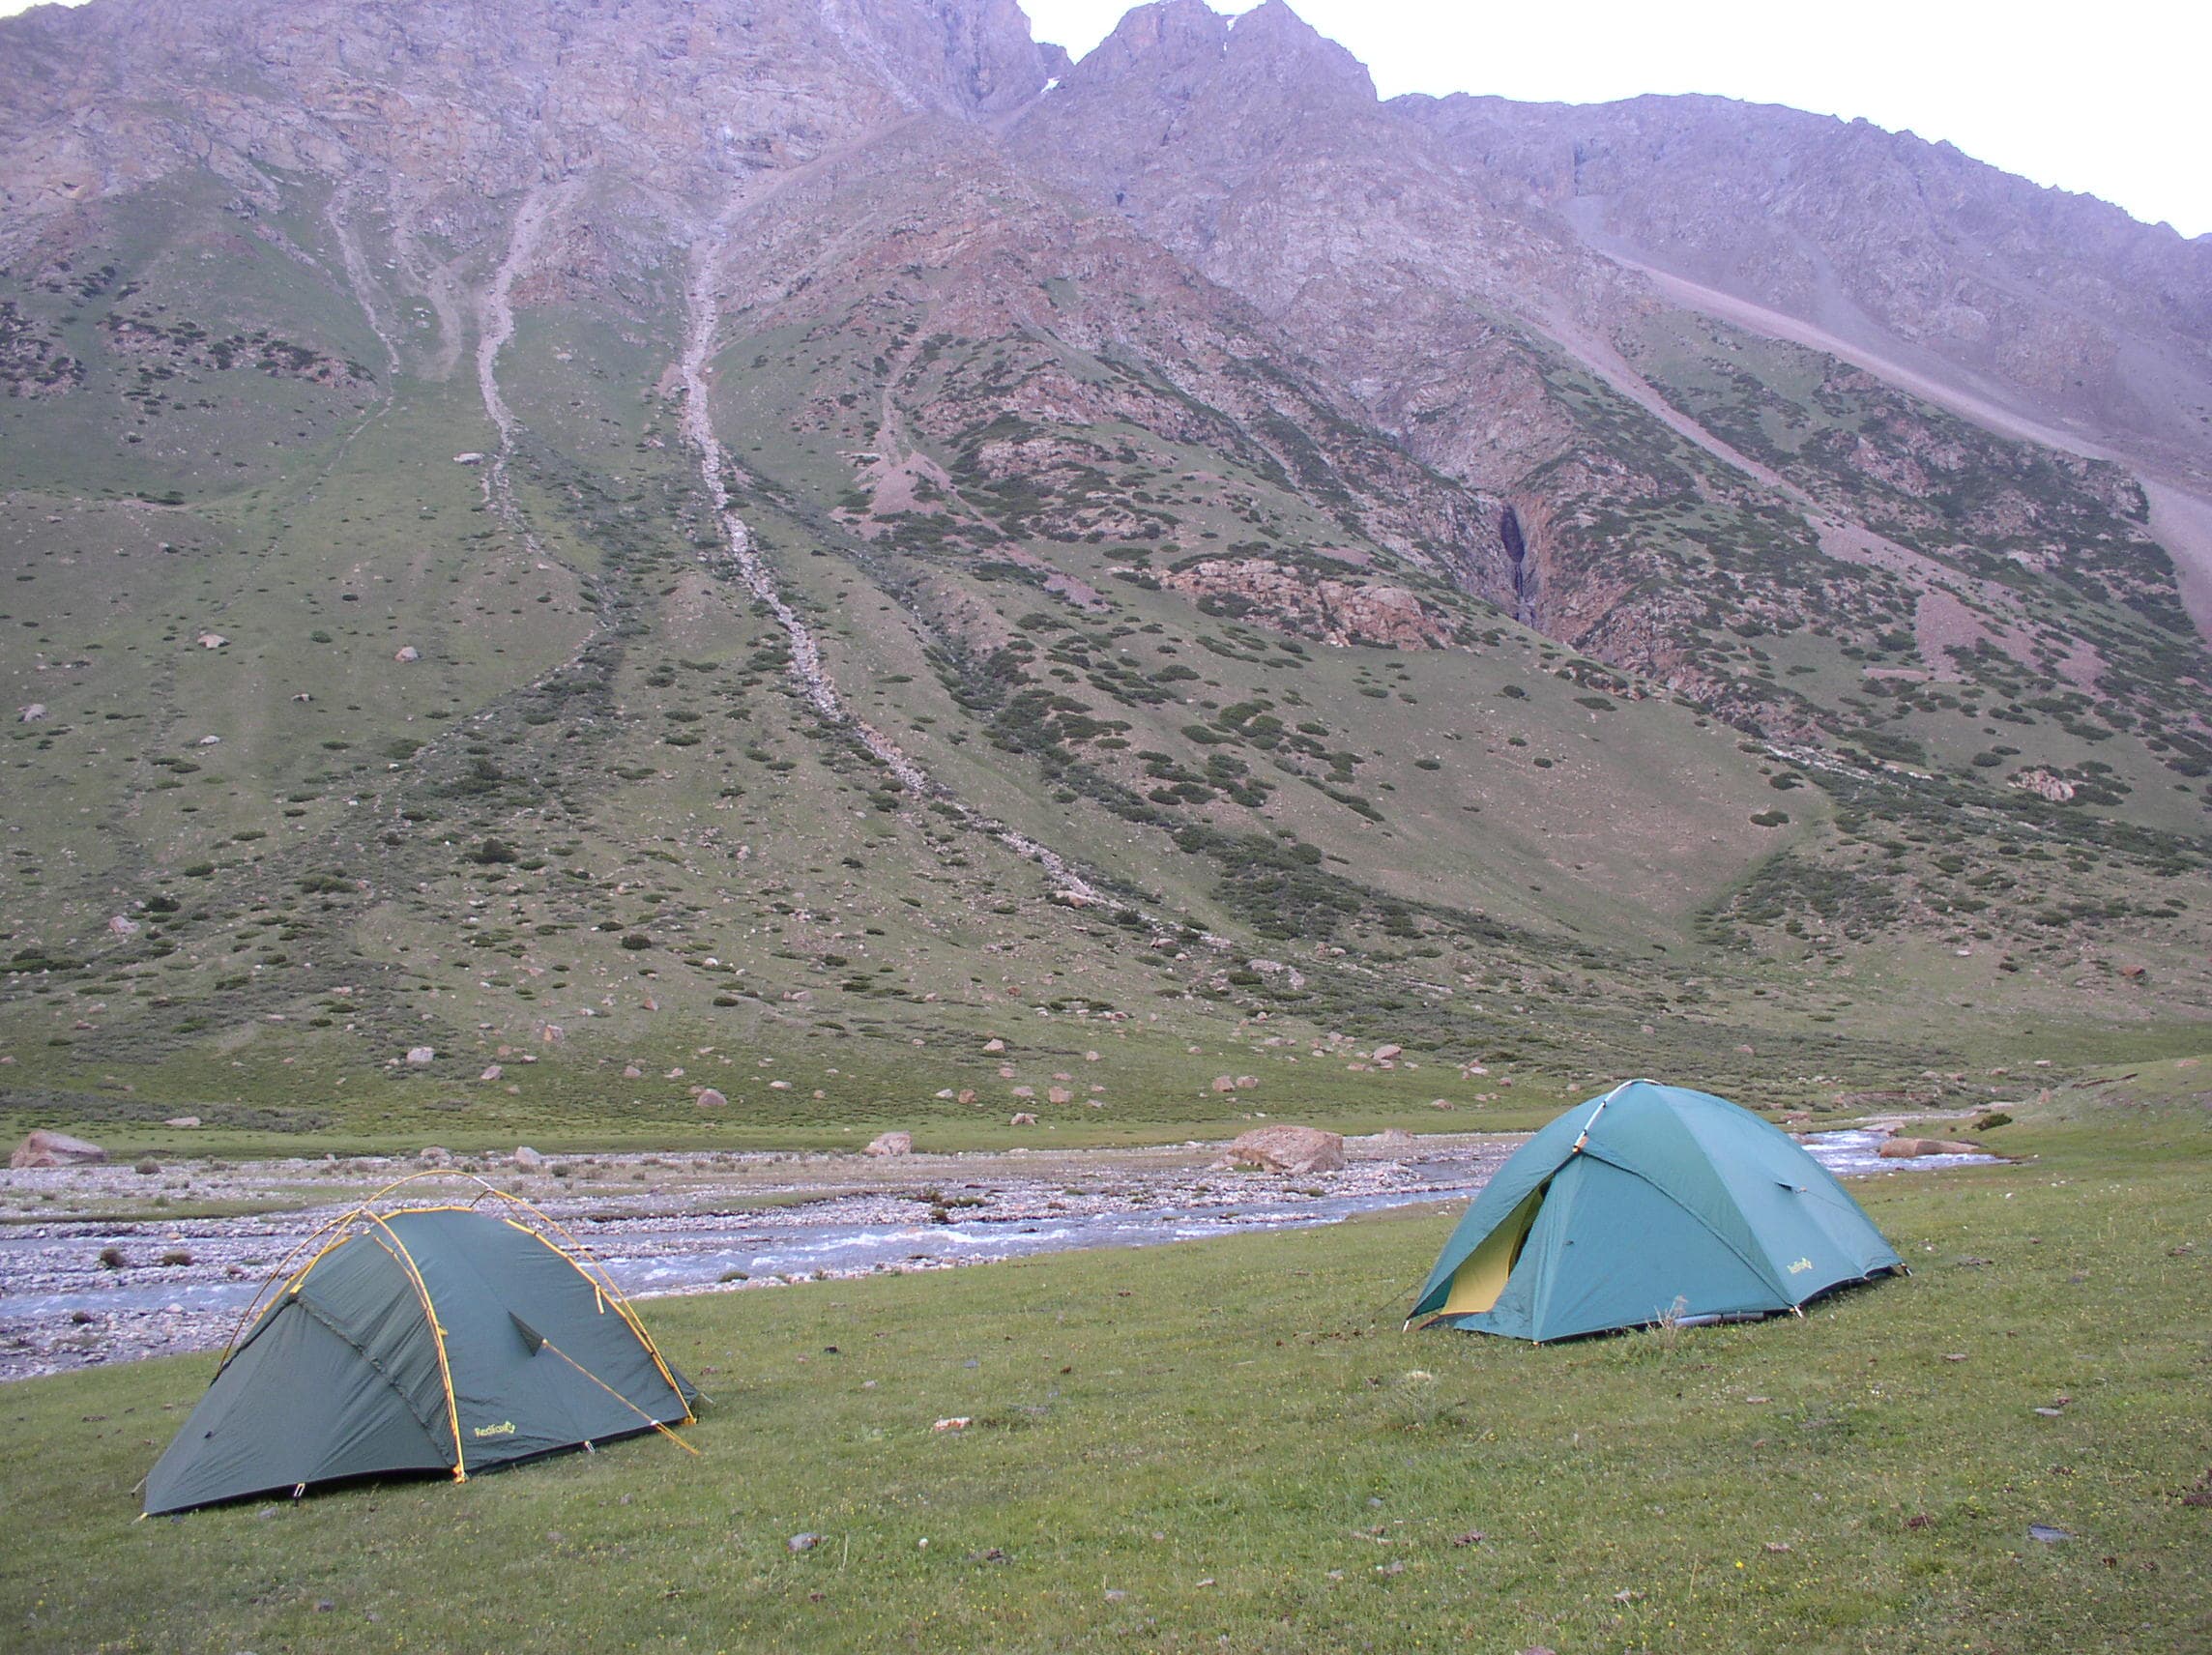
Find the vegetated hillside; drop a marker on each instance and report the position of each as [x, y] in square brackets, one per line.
[693, 561]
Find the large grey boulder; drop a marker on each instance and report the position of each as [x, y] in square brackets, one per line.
[892, 1144]
[1290, 1149]
[44, 1148]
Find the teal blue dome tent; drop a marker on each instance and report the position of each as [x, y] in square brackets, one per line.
[440, 1339]
[1650, 1204]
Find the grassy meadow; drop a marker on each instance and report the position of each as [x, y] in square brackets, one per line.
[1231, 1446]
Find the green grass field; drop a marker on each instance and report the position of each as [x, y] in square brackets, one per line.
[1232, 1445]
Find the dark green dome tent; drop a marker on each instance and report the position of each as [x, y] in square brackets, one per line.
[428, 1338]
[1652, 1203]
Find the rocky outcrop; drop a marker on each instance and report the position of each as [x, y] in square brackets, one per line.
[1289, 1149]
[1322, 608]
[44, 1148]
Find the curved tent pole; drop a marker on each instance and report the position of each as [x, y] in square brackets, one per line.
[1600, 1110]
[579, 1257]
[437, 1337]
[358, 1211]
[577, 1253]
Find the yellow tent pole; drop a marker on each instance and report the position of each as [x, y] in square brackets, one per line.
[604, 1286]
[438, 1334]
[600, 1280]
[359, 1210]
[284, 1263]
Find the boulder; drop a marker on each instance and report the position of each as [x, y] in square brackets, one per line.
[1911, 1148]
[1024, 1118]
[435, 1157]
[1290, 1149]
[1384, 1052]
[1059, 1094]
[123, 925]
[492, 1072]
[710, 1098]
[891, 1144]
[527, 1159]
[32, 713]
[407, 652]
[43, 1149]
[421, 1057]
[182, 1121]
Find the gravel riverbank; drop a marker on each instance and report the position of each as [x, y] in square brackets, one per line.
[102, 1265]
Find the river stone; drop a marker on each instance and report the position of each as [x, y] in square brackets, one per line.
[892, 1144]
[43, 1149]
[1911, 1148]
[1290, 1149]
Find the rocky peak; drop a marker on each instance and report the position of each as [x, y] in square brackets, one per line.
[1174, 49]
[1274, 41]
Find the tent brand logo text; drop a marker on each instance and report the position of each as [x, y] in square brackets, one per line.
[1800, 1264]
[505, 1428]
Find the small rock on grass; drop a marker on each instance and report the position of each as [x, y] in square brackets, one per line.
[798, 1543]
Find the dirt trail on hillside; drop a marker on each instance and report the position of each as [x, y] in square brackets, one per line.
[495, 320]
[702, 305]
[2181, 519]
[340, 212]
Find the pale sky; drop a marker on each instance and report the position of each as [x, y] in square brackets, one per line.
[2107, 98]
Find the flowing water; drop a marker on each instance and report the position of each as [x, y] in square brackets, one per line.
[59, 1307]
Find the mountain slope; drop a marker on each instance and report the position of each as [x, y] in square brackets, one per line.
[641, 550]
